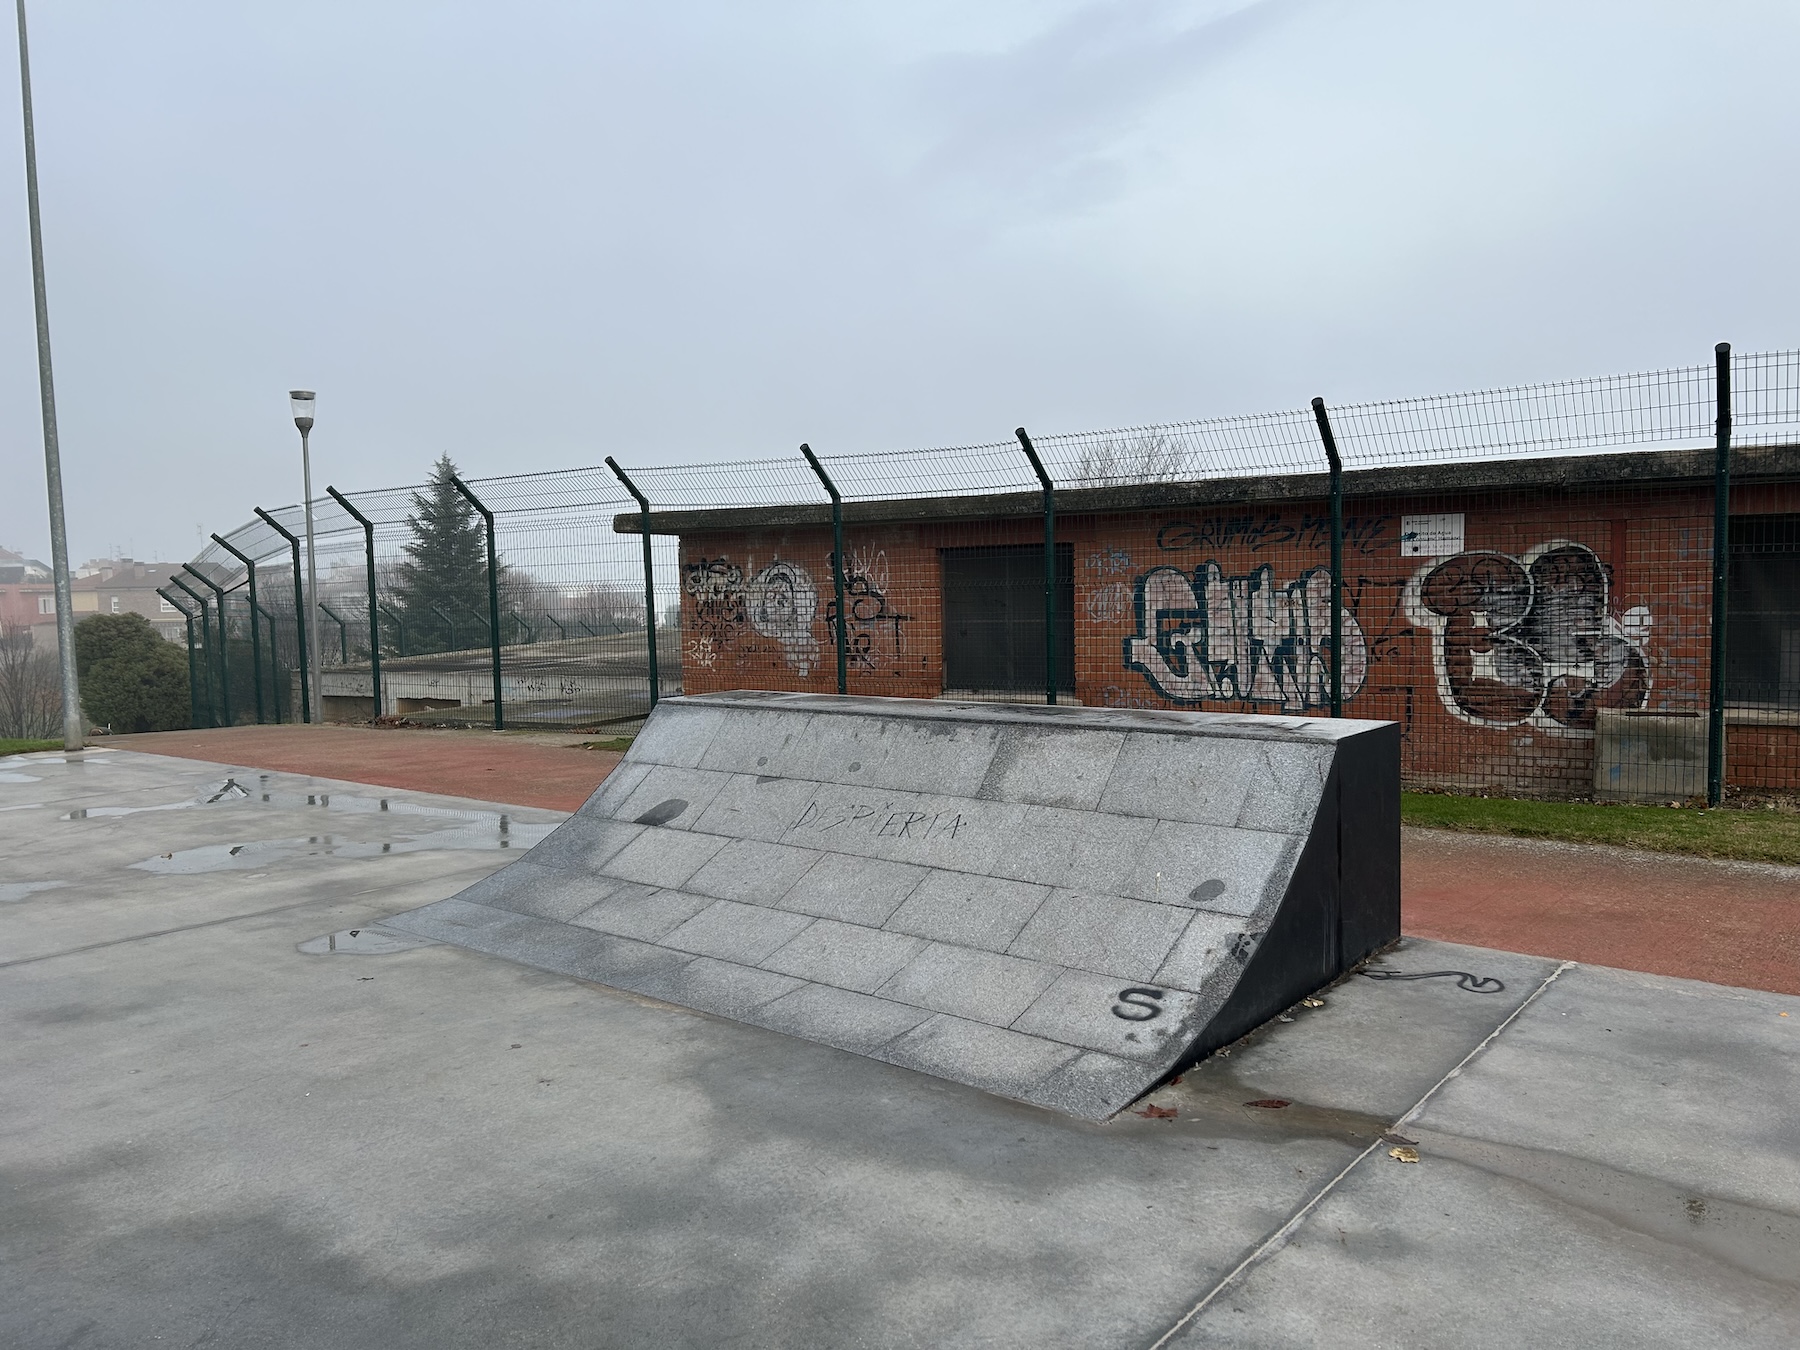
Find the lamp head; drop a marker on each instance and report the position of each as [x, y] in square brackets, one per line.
[302, 403]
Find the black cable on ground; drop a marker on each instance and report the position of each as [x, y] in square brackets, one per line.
[1475, 984]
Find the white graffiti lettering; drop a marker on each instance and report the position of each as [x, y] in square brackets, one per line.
[1241, 639]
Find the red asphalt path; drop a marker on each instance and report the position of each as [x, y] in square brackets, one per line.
[484, 765]
[1730, 923]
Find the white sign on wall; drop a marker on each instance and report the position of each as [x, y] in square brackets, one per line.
[1431, 536]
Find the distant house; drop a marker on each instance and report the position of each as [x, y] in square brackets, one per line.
[127, 586]
[102, 586]
[26, 596]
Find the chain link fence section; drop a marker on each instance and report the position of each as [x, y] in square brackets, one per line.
[948, 588]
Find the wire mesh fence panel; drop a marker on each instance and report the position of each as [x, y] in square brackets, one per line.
[1526, 585]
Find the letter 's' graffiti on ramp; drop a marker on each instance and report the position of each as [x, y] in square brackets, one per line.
[1242, 639]
[1530, 639]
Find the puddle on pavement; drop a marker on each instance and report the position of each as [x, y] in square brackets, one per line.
[1763, 1242]
[370, 941]
[497, 832]
[7, 776]
[229, 790]
[12, 892]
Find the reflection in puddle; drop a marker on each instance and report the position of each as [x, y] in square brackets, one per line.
[228, 791]
[496, 832]
[372, 941]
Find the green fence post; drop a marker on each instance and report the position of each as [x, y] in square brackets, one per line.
[837, 568]
[212, 713]
[224, 643]
[193, 673]
[493, 597]
[255, 627]
[299, 612]
[343, 635]
[399, 625]
[1337, 556]
[374, 613]
[1721, 574]
[1037, 467]
[649, 582]
[274, 666]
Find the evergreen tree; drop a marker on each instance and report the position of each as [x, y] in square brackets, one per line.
[131, 680]
[443, 581]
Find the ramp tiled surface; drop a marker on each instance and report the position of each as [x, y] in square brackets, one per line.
[1048, 903]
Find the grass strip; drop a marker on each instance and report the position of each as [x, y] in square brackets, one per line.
[12, 745]
[1755, 834]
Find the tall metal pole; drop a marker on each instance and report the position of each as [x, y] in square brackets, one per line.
[303, 399]
[305, 640]
[493, 597]
[1721, 575]
[1337, 556]
[59, 536]
[255, 624]
[374, 605]
[837, 568]
[649, 581]
[1037, 466]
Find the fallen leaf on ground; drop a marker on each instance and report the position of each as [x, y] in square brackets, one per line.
[1405, 1153]
[1312, 1003]
[1154, 1112]
[1270, 1103]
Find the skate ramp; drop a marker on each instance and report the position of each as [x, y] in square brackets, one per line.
[1060, 905]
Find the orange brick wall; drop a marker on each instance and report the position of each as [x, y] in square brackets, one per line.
[1226, 609]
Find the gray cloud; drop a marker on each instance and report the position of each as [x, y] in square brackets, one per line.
[536, 235]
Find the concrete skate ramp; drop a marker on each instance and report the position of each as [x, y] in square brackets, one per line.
[1060, 905]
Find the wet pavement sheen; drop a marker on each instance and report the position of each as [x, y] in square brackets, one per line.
[241, 1112]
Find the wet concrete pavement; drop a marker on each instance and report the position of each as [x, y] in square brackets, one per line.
[210, 1137]
[1732, 923]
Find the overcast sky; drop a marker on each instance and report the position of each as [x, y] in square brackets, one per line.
[538, 233]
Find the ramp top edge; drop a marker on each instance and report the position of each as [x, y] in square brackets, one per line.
[1250, 726]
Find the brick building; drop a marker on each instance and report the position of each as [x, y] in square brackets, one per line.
[1495, 610]
[102, 586]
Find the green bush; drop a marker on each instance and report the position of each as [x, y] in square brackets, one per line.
[131, 680]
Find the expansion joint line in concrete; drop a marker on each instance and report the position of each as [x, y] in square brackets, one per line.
[186, 928]
[1279, 1238]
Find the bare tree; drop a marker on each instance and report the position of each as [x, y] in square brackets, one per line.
[30, 687]
[1148, 457]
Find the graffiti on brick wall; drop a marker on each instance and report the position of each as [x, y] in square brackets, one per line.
[1256, 532]
[876, 636]
[1209, 637]
[782, 602]
[1530, 639]
[779, 602]
[1108, 597]
[716, 587]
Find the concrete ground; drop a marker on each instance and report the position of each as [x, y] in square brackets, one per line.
[1731, 923]
[211, 1138]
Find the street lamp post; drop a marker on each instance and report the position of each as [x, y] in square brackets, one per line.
[302, 402]
[59, 539]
